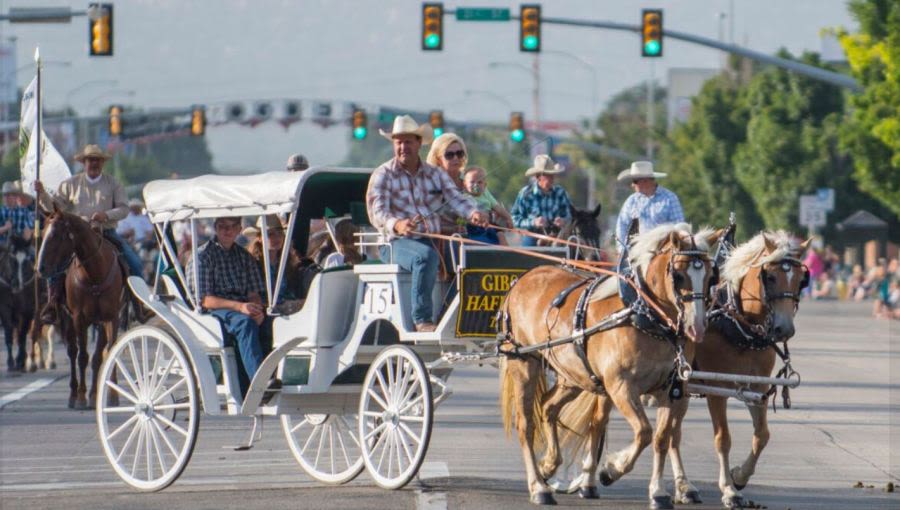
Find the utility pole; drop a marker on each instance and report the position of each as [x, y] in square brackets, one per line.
[651, 114]
[536, 94]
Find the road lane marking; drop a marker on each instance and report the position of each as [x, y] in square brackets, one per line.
[22, 392]
[432, 500]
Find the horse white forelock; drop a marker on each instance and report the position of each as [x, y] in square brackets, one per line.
[747, 255]
[646, 244]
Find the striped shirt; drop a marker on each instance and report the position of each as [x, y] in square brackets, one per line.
[661, 208]
[230, 274]
[20, 217]
[395, 194]
[531, 203]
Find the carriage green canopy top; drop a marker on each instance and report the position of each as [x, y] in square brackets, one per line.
[317, 192]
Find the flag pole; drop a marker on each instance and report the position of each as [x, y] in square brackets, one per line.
[37, 178]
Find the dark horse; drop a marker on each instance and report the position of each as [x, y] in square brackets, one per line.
[16, 297]
[95, 294]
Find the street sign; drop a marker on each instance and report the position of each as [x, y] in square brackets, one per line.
[481, 14]
[812, 211]
[826, 198]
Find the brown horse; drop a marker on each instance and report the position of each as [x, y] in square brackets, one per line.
[765, 277]
[95, 294]
[630, 355]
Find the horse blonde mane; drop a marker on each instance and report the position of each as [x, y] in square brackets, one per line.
[646, 244]
[750, 254]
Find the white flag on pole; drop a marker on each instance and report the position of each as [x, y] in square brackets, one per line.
[54, 169]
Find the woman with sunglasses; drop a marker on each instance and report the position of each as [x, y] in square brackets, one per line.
[448, 152]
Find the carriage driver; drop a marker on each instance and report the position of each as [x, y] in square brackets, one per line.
[405, 195]
[651, 204]
[95, 197]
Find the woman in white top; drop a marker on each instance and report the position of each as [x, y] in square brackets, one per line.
[346, 252]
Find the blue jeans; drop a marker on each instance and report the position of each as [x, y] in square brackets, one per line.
[249, 337]
[135, 266]
[529, 241]
[419, 258]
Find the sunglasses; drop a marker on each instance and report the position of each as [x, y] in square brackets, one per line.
[455, 154]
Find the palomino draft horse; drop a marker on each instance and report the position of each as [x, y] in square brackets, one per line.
[754, 310]
[95, 294]
[621, 351]
[16, 298]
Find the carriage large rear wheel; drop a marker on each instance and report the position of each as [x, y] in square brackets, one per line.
[325, 445]
[396, 413]
[149, 437]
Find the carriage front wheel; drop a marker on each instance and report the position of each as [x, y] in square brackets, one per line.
[149, 437]
[396, 412]
[325, 445]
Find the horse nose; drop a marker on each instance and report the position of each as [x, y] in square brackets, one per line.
[783, 330]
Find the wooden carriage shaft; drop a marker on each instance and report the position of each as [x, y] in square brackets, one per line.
[744, 379]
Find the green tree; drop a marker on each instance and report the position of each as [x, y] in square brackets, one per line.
[871, 131]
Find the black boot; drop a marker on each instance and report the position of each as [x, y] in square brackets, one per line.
[50, 312]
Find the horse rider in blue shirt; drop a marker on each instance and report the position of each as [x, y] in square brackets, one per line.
[542, 204]
[651, 204]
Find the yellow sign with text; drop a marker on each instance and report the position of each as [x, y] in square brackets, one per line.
[480, 295]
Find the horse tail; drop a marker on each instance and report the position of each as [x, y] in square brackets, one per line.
[508, 399]
[575, 420]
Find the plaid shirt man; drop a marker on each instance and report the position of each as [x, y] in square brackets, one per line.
[661, 208]
[229, 274]
[395, 194]
[20, 217]
[531, 203]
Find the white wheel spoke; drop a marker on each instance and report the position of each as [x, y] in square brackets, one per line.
[297, 426]
[340, 437]
[401, 383]
[384, 442]
[321, 443]
[349, 432]
[145, 366]
[128, 377]
[138, 377]
[162, 379]
[410, 405]
[331, 446]
[409, 456]
[117, 410]
[389, 368]
[169, 391]
[138, 449]
[374, 431]
[384, 388]
[415, 419]
[172, 425]
[165, 437]
[127, 445]
[153, 374]
[372, 414]
[123, 426]
[122, 392]
[412, 434]
[377, 399]
[159, 456]
[407, 394]
[397, 440]
[390, 451]
[309, 439]
[147, 439]
[166, 407]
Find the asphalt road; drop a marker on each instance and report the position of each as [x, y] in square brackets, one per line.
[844, 428]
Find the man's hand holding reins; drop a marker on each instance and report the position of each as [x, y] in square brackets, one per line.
[479, 219]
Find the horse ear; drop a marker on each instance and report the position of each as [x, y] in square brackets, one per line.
[572, 210]
[770, 246]
[674, 239]
[715, 236]
[805, 244]
[597, 210]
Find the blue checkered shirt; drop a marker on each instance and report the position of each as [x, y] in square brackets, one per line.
[21, 218]
[663, 207]
[230, 274]
[531, 202]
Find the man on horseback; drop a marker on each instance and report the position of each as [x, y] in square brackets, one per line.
[406, 193]
[651, 204]
[95, 197]
[15, 220]
[541, 205]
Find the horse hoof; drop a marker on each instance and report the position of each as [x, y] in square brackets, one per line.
[588, 493]
[739, 486]
[81, 405]
[53, 365]
[605, 479]
[732, 502]
[543, 498]
[32, 368]
[661, 503]
[689, 498]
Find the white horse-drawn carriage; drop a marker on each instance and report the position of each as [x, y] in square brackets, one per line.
[358, 380]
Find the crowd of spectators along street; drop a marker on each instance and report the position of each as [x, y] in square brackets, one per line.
[830, 279]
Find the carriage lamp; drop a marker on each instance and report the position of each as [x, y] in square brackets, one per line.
[530, 28]
[651, 33]
[432, 26]
[100, 30]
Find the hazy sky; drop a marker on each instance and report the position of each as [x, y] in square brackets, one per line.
[174, 53]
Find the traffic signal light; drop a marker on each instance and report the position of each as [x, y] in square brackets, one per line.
[530, 28]
[516, 127]
[360, 124]
[432, 26]
[100, 31]
[651, 33]
[198, 121]
[115, 120]
[436, 119]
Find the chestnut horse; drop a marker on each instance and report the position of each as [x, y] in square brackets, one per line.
[95, 294]
[754, 308]
[630, 354]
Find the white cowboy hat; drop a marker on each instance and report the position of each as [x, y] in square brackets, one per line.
[639, 170]
[406, 125]
[10, 187]
[544, 165]
[135, 202]
[92, 151]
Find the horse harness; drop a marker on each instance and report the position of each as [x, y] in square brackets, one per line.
[96, 290]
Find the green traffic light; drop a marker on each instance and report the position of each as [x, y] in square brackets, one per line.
[359, 132]
[432, 41]
[438, 132]
[530, 42]
[651, 47]
[517, 135]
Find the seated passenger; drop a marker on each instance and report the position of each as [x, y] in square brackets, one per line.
[346, 252]
[230, 286]
[290, 296]
[475, 183]
[402, 198]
